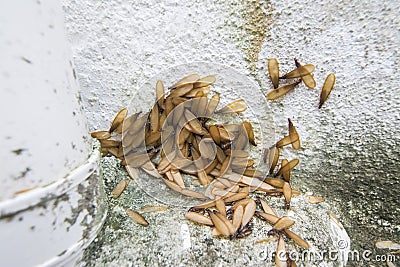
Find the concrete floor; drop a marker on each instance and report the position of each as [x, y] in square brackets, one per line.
[349, 152]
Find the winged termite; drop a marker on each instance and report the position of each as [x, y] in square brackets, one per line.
[287, 193]
[166, 161]
[211, 166]
[160, 94]
[195, 142]
[219, 224]
[267, 208]
[150, 169]
[181, 90]
[207, 204]
[220, 155]
[127, 141]
[162, 119]
[168, 174]
[281, 91]
[186, 151]
[252, 173]
[225, 136]
[183, 137]
[129, 122]
[178, 100]
[190, 79]
[285, 175]
[241, 142]
[248, 212]
[288, 167]
[281, 255]
[315, 199]
[100, 135]
[202, 106]
[225, 182]
[242, 202]
[221, 193]
[228, 223]
[250, 133]
[136, 160]
[119, 118]
[237, 217]
[225, 165]
[138, 125]
[387, 244]
[297, 239]
[113, 151]
[272, 219]
[153, 209]
[205, 81]
[283, 223]
[220, 205]
[203, 178]
[191, 193]
[308, 79]
[254, 182]
[273, 157]
[204, 90]
[153, 138]
[136, 217]
[299, 72]
[174, 186]
[215, 232]
[137, 142]
[234, 188]
[327, 88]
[181, 163]
[193, 124]
[294, 136]
[178, 179]
[239, 163]
[236, 197]
[275, 182]
[177, 116]
[273, 69]
[212, 105]
[232, 127]
[198, 218]
[169, 106]
[105, 143]
[193, 105]
[199, 94]
[207, 148]
[234, 107]
[284, 141]
[117, 191]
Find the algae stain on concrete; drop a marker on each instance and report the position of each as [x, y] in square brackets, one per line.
[249, 21]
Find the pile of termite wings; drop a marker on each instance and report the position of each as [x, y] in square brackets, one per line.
[176, 137]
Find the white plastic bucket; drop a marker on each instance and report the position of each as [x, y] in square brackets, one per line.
[50, 195]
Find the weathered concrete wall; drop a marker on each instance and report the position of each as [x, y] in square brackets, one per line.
[349, 150]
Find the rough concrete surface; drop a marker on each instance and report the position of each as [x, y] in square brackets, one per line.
[349, 152]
